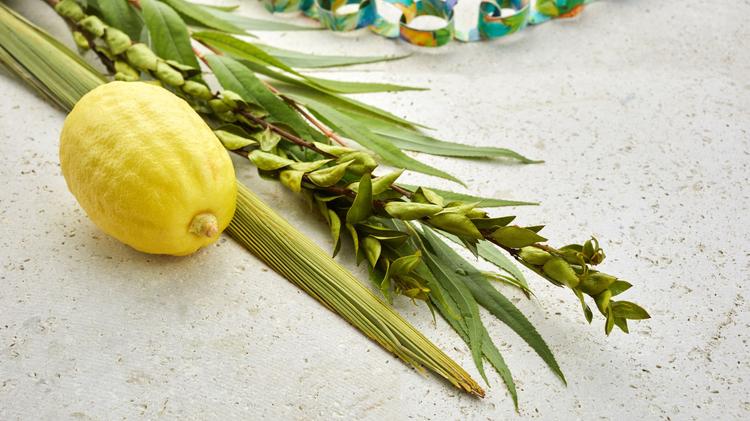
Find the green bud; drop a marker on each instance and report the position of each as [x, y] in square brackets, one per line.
[70, 9]
[231, 99]
[93, 25]
[117, 40]
[560, 271]
[168, 74]
[534, 256]
[516, 237]
[80, 40]
[197, 90]
[126, 70]
[218, 106]
[140, 56]
[596, 282]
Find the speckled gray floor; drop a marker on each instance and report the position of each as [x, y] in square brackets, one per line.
[641, 110]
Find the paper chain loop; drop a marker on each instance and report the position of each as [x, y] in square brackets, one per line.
[497, 18]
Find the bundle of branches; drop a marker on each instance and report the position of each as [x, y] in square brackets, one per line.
[293, 127]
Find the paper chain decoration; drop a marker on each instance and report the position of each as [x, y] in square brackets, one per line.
[497, 18]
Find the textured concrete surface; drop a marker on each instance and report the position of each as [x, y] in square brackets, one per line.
[642, 111]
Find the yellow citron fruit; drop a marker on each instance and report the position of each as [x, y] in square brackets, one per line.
[147, 169]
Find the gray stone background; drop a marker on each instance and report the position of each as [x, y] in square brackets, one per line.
[641, 110]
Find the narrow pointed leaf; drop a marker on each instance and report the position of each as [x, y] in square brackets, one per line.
[310, 61]
[467, 305]
[361, 208]
[484, 202]
[121, 15]
[168, 33]
[203, 16]
[496, 303]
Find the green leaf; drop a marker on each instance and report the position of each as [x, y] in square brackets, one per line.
[268, 161]
[244, 50]
[292, 179]
[335, 230]
[233, 141]
[467, 305]
[494, 255]
[618, 287]
[353, 108]
[405, 264]
[202, 16]
[484, 202]
[251, 24]
[383, 183]
[496, 303]
[240, 49]
[344, 87]
[329, 176]
[628, 310]
[169, 34]
[310, 61]
[121, 15]
[457, 224]
[236, 77]
[496, 359]
[372, 249]
[361, 208]
[361, 134]
[516, 237]
[416, 141]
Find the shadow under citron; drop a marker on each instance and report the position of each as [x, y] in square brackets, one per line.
[147, 169]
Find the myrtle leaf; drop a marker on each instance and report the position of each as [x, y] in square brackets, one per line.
[335, 223]
[516, 237]
[382, 183]
[268, 161]
[292, 179]
[410, 210]
[372, 249]
[361, 208]
[457, 224]
[328, 176]
[121, 15]
[628, 310]
[233, 141]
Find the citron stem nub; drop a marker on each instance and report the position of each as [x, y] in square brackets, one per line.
[204, 225]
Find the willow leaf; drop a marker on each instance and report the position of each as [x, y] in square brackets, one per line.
[168, 33]
[360, 133]
[496, 303]
[312, 61]
[420, 142]
[483, 202]
[345, 87]
[467, 305]
[447, 308]
[121, 15]
[308, 93]
[492, 254]
[244, 50]
[252, 24]
[202, 16]
[238, 78]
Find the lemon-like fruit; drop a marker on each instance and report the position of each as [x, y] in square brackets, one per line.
[147, 169]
